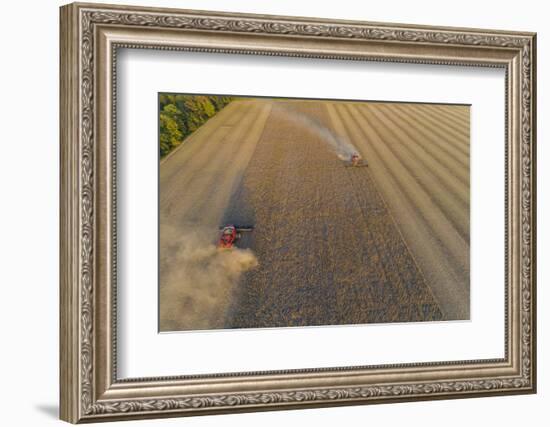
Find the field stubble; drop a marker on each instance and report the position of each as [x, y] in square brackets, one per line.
[328, 248]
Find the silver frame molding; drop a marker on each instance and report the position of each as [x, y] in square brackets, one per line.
[90, 37]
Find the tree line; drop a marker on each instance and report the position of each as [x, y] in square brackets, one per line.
[181, 115]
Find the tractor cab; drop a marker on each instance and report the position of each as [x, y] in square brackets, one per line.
[229, 230]
[227, 237]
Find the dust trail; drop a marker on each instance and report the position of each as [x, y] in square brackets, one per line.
[339, 144]
[197, 279]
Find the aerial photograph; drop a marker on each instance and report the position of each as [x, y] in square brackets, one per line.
[295, 212]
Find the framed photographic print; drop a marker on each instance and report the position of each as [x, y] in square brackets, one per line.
[264, 212]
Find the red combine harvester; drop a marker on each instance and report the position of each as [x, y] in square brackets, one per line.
[230, 234]
[356, 161]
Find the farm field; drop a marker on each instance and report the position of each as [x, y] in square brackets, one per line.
[331, 244]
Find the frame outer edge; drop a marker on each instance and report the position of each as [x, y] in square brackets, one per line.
[69, 354]
[77, 226]
[533, 112]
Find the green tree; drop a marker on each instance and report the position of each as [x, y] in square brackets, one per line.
[181, 115]
[170, 134]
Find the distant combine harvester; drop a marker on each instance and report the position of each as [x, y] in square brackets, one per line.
[356, 161]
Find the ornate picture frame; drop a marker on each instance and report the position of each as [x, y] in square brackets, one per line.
[90, 37]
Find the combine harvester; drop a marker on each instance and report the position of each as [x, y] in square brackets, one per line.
[356, 161]
[230, 234]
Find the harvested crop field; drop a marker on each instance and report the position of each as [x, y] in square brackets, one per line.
[331, 244]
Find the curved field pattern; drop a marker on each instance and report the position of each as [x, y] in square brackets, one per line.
[331, 244]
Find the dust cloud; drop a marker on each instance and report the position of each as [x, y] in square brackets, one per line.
[197, 279]
[338, 144]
